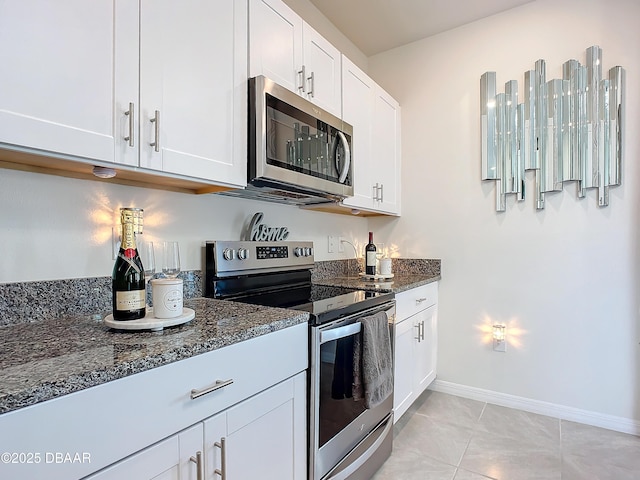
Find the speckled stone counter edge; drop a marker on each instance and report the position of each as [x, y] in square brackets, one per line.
[43, 373]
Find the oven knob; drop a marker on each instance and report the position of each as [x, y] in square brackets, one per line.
[243, 253]
[307, 252]
[229, 254]
[298, 251]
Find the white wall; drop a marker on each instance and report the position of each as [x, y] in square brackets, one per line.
[565, 280]
[55, 227]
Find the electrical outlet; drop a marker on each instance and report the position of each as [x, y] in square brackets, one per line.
[333, 242]
[341, 244]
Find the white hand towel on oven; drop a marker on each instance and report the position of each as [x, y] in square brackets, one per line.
[372, 362]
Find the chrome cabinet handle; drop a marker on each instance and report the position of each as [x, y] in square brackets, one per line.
[312, 84]
[377, 196]
[216, 386]
[222, 471]
[420, 300]
[130, 113]
[302, 73]
[199, 465]
[156, 121]
[420, 328]
[382, 192]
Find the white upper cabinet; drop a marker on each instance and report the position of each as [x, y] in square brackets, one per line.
[193, 88]
[375, 117]
[358, 93]
[386, 152]
[57, 81]
[287, 50]
[85, 80]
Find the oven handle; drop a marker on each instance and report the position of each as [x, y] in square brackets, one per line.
[362, 459]
[340, 332]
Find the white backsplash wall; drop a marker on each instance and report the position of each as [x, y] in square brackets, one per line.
[58, 228]
[565, 280]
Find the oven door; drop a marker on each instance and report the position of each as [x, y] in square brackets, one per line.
[338, 424]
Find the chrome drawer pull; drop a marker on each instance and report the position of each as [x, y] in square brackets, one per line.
[420, 300]
[217, 386]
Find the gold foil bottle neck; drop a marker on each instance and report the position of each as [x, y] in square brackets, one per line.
[132, 216]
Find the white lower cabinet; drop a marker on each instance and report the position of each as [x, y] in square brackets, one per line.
[416, 342]
[149, 425]
[262, 437]
[169, 459]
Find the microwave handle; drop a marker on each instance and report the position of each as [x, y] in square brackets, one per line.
[340, 332]
[347, 157]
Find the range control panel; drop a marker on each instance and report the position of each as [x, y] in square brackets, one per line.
[235, 257]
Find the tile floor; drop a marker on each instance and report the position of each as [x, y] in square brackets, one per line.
[444, 437]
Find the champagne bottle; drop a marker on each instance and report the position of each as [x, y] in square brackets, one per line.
[128, 285]
[370, 259]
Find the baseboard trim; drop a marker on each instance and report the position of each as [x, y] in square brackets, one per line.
[611, 422]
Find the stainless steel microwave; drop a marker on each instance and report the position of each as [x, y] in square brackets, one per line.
[298, 153]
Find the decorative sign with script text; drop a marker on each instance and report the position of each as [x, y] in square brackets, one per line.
[260, 232]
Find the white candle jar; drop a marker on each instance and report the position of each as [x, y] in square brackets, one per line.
[167, 297]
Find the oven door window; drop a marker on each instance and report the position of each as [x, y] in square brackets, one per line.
[299, 142]
[337, 407]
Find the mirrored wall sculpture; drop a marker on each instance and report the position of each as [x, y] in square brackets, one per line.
[569, 129]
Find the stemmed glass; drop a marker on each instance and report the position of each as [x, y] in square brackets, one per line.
[171, 265]
[379, 255]
[148, 258]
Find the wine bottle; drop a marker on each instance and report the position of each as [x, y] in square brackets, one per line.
[370, 259]
[128, 285]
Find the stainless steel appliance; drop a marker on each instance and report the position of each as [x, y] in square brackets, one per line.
[298, 153]
[346, 440]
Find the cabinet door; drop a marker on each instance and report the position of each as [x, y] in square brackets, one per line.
[425, 348]
[386, 132]
[357, 110]
[275, 45]
[169, 459]
[58, 76]
[403, 367]
[193, 73]
[265, 435]
[322, 63]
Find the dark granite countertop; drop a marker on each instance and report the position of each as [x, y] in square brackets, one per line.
[399, 283]
[47, 359]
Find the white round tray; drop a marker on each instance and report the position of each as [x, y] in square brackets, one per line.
[149, 322]
[376, 276]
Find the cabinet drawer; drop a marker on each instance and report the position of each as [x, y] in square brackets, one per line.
[118, 418]
[415, 300]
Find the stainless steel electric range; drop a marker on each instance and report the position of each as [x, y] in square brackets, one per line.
[346, 440]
